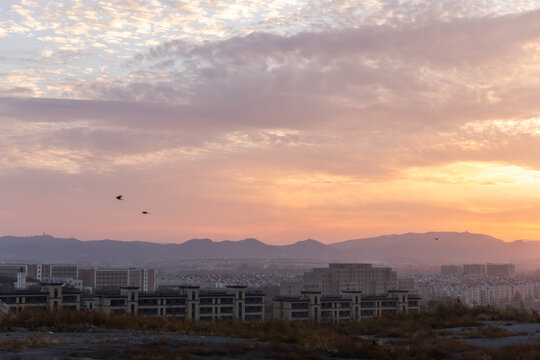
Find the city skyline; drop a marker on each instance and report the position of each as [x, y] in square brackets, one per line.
[280, 120]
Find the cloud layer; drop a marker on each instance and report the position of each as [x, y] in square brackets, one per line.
[328, 120]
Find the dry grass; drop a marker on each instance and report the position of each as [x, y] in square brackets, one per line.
[414, 335]
[490, 332]
[522, 352]
[10, 345]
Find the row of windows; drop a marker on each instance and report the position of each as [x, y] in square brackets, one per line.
[252, 309]
[300, 305]
[210, 301]
[27, 299]
[299, 314]
[331, 305]
[209, 318]
[214, 310]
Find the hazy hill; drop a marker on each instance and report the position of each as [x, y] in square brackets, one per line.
[425, 248]
[51, 249]
[437, 247]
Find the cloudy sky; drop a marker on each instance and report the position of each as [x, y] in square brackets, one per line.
[281, 120]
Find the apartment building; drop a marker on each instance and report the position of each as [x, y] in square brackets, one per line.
[501, 269]
[57, 271]
[98, 279]
[339, 277]
[40, 271]
[451, 270]
[192, 303]
[474, 269]
[350, 305]
[51, 296]
[10, 271]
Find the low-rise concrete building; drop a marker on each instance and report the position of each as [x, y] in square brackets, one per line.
[51, 296]
[192, 303]
[350, 305]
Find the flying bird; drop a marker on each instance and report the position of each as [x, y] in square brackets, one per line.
[436, 238]
[120, 197]
[145, 212]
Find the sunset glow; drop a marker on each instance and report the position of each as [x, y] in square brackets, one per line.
[278, 120]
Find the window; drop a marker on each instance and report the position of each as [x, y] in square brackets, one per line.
[69, 299]
[254, 300]
[299, 314]
[148, 302]
[175, 311]
[299, 305]
[205, 310]
[117, 302]
[8, 300]
[176, 301]
[387, 304]
[227, 310]
[152, 311]
[252, 309]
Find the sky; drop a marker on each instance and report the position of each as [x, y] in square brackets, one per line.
[279, 120]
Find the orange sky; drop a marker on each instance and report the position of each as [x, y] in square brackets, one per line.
[282, 122]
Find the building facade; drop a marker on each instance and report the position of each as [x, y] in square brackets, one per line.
[350, 305]
[474, 269]
[57, 271]
[342, 277]
[501, 269]
[10, 271]
[51, 296]
[451, 270]
[40, 271]
[100, 279]
[191, 303]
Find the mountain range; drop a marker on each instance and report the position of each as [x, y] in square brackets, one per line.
[417, 248]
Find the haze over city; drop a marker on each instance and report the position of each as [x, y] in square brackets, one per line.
[278, 120]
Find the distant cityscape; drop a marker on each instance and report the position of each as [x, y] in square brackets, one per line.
[339, 292]
[276, 287]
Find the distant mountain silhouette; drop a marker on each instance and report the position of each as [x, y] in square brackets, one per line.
[450, 247]
[50, 249]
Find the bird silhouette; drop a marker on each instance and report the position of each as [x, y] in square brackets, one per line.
[120, 197]
[145, 212]
[436, 238]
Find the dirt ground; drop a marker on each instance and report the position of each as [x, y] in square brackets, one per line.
[80, 342]
[117, 344]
